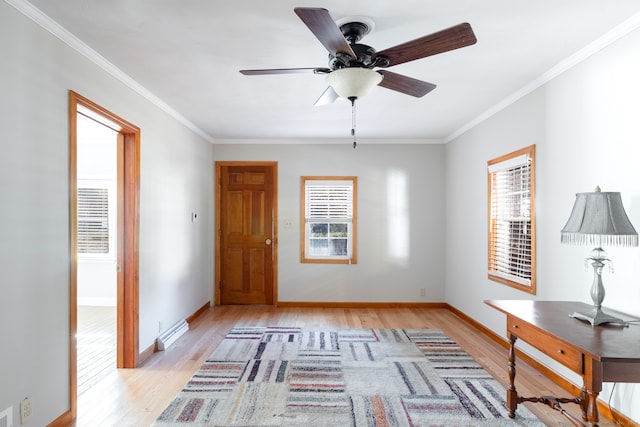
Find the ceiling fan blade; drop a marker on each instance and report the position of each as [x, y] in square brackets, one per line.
[452, 38]
[404, 84]
[285, 71]
[325, 29]
[327, 97]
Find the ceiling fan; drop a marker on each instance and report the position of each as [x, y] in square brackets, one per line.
[350, 72]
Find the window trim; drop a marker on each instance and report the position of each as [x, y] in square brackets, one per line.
[353, 259]
[530, 152]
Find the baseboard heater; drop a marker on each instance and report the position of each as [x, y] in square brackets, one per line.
[170, 336]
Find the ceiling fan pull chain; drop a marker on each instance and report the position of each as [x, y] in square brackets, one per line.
[353, 120]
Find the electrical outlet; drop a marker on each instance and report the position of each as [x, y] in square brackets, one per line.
[26, 410]
[6, 417]
[423, 292]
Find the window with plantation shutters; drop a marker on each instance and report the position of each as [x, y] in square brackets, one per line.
[93, 220]
[328, 219]
[511, 183]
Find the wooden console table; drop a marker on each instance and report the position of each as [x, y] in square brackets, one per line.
[604, 353]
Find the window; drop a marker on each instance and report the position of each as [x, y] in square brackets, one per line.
[94, 218]
[511, 183]
[328, 219]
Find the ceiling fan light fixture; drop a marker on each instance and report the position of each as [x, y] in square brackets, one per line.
[353, 82]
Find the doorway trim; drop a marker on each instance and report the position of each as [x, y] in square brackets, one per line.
[218, 225]
[128, 240]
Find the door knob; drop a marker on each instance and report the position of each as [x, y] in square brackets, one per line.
[268, 241]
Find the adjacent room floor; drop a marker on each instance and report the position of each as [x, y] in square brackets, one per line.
[96, 345]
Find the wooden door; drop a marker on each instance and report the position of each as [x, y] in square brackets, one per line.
[246, 219]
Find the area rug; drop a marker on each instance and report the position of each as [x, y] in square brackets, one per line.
[278, 376]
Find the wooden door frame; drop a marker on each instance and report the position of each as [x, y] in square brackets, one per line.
[218, 189]
[128, 244]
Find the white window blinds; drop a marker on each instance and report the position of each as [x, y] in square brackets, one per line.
[328, 200]
[93, 220]
[510, 227]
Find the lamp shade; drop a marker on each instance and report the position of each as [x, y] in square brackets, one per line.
[599, 219]
[353, 82]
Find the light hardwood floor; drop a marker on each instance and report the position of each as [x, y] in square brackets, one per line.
[136, 397]
[96, 339]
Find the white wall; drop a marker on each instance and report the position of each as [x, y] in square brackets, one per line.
[36, 72]
[585, 127]
[400, 217]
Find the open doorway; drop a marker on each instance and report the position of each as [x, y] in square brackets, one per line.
[104, 228]
[97, 219]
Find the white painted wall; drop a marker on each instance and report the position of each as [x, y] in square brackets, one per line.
[585, 126]
[400, 217]
[176, 273]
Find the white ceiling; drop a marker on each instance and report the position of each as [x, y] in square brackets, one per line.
[188, 53]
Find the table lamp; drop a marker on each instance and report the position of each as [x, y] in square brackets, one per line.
[598, 219]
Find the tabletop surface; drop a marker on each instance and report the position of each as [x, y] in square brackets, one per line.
[604, 342]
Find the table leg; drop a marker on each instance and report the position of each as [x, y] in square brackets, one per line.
[592, 386]
[590, 408]
[512, 394]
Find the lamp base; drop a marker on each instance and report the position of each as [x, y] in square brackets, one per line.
[597, 317]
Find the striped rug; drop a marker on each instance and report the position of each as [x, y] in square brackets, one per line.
[277, 376]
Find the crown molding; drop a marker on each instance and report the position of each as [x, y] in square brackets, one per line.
[600, 43]
[44, 21]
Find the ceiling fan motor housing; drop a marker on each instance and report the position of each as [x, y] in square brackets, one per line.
[364, 58]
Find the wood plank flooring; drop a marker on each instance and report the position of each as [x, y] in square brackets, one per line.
[96, 345]
[136, 397]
